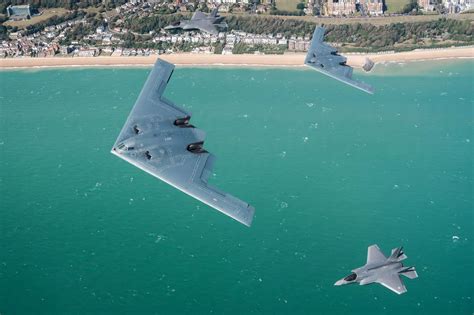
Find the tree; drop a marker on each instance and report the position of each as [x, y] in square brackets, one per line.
[300, 6]
[411, 6]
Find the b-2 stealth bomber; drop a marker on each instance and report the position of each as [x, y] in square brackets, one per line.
[325, 59]
[200, 21]
[158, 138]
[383, 270]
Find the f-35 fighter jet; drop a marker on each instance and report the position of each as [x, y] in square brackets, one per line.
[201, 21]
[158, 138]
[383, 270]
[326, 60]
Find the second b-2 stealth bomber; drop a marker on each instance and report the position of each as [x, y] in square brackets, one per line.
[383, 270]
[325, 59]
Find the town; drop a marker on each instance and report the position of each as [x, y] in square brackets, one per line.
[119, 31]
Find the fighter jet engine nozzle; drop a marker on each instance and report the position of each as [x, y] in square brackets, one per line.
[183, 122]
[124, 147]
[196, 147]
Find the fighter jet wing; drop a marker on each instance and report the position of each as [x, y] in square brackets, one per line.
[198, 15]
[158, 139]
[207, 27]
[326, 60]
[175, 25]
[375, 255]
[393, 282]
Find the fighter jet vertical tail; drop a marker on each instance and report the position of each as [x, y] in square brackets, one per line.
[214, 12]
[397, 254]
[409, 272]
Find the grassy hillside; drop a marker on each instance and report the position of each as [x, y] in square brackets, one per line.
[45, 14]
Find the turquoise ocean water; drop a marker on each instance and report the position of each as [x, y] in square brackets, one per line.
[329, 169]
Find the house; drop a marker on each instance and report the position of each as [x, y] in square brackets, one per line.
[341, 7]
[457, 6]
[427, 5]
[374, 7]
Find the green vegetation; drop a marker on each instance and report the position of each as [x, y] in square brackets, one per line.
[262, 25]
[35, 4]
[79, 31]
[411, 6]
[366, 37]
[274, 11]
[153, 23]
[352, 37]
[218, 48]
[395, 6]
[3, 32]
[45, 15]
[242, 48]
[287, 5]
[66, 4]
[402, 36]
[257, 25]
[54, 20]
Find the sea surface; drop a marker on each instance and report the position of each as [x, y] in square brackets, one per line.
[329, 169]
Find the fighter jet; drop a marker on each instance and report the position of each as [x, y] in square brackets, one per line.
[158, 138]
[201, 21]
[325, 59]
[383, 270]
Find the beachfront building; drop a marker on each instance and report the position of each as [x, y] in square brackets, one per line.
[19, 12]
[427, 5]
[457, 6]
[341, 7]
[374, 7]
[298, 45]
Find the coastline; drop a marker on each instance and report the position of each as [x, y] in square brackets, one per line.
[355, 60]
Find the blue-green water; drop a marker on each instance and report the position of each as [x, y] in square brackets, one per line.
[329, 169]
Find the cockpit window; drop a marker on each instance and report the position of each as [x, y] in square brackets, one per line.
[351, 277]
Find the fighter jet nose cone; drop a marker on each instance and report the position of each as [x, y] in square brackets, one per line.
[339, 282]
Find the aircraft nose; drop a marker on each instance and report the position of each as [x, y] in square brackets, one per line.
[340, 282]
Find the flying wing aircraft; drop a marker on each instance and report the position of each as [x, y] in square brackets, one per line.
[158, 138]
[201, 21]
[382, 270]
[325, 59]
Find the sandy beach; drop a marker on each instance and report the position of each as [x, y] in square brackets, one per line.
[287, 60]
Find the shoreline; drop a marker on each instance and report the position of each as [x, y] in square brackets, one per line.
[293, 60]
